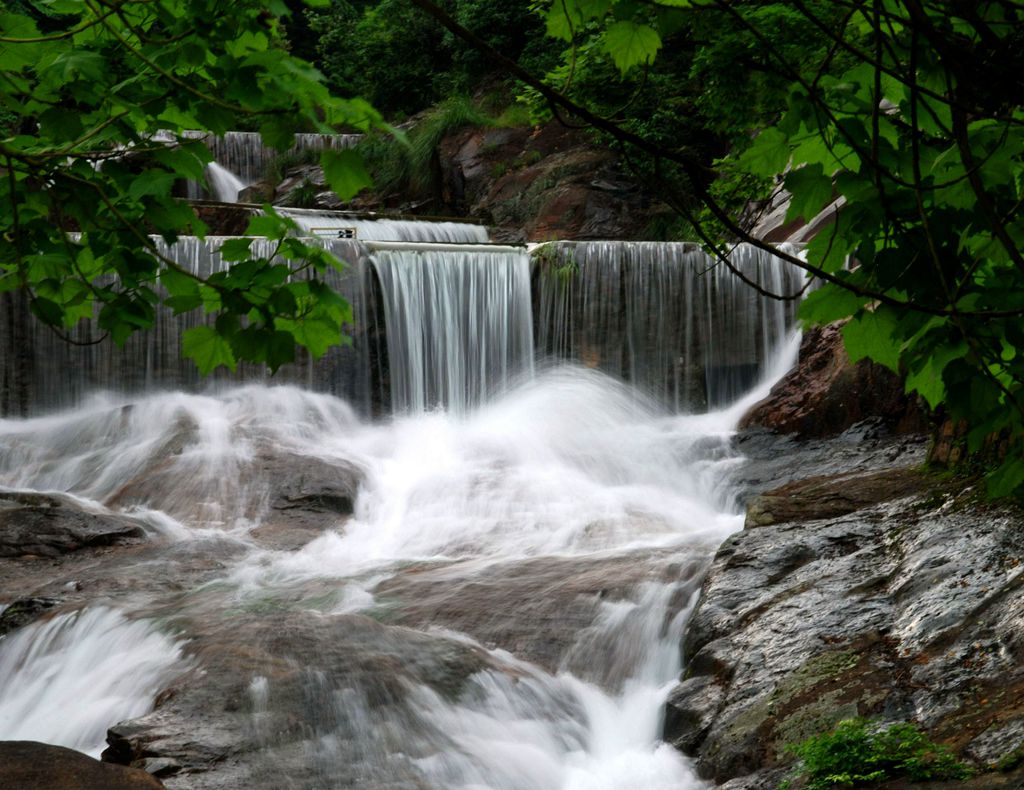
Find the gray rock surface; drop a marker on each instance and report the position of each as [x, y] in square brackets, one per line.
[272, 697]
[50, 525]
[909, 610]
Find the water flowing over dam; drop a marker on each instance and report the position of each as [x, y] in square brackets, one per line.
[459, 553]
[664, 317]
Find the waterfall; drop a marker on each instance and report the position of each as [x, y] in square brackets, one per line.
[333, 224]
[666, 317]
[41, 371]
[224, 184]
[65, 681]
[245, 154]
[458, 323]
[505, 604]
[242, 158]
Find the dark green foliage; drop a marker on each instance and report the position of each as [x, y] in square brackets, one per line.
[87, 87]
[392, 54]
[909, 111]
[411, 165]
[1011, 761]
[856, 754]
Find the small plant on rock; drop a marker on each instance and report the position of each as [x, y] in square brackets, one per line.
[857, 753]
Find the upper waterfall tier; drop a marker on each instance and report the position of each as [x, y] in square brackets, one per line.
[245, 155]
[665, 316]
[333, 224]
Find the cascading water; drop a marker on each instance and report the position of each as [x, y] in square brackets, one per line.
[667, 317]
[459, 325]
[40, 371]
[224, 184]
[330, 224]
[536, 557]
[245, 155]
[503, 608]
[64, 681]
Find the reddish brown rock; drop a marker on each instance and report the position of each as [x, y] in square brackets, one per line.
[224, 219]
[831, 496]
[825, 393]
[539, 184]
[27, 765]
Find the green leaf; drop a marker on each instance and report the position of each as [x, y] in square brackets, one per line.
[152, 182]
[768, 155]
[47, 311]
[631, 44]
[236, 249]
[873, 335]
[267, 224]
[810, 191]
[208, 349]
[317, 334]
[829, 303]
[927, 380]
[345, 172]
[178, 283]
[1007, 479]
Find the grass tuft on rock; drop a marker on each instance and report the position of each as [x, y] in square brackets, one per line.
[858, 753]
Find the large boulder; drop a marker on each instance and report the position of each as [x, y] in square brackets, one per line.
[294, 699]
[906, 610]
[27, 765]
[829, 496]
[826, 393]
[49, 525]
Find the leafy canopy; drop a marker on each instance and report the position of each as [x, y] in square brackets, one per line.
[96, 95]
[910, 113]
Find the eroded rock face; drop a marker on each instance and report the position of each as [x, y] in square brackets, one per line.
[50, 525]
[910, 610]
[534, 608]
[272, 696]
[27, 765]
[540, 184]
[825, 393]
[829, 496]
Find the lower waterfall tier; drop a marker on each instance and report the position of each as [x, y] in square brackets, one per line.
[451, 327]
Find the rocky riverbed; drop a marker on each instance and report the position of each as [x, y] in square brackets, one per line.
[863, 585]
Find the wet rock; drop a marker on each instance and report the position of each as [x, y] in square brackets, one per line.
[305, 497]
[825, 393]
[261, 192]
[828, 496]
[279, 489]
[28, 765]
[300, 186]
[301, 485]
[772, 460]
[50, 525]
[289, 698]
[909, 610]
[533, 608]
[24, 611]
